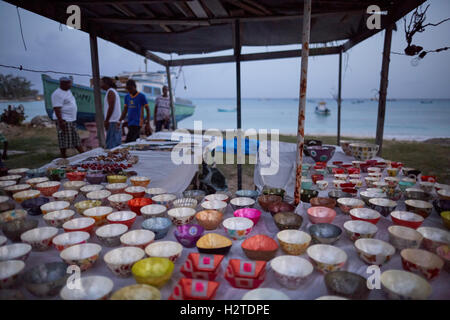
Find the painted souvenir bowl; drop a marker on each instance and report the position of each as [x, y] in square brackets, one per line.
[79, 224]
[188, 234]
[323, 202]
[12, 215]
[33, 206]
[445, 215]
[116, 188]
[16, 188]
[241, 203]
[116, 179]
[288, 220]
[217, 197]
[326, 258]
[357, 182]
[4, 184]
[14, 229]
[365, 214]
[121, 260]
[293, 242]
[382, 205]
[328, 297]
[19, 171]
[417, 194]
[336, 194]
[140, 181]
[282, 206]
[444, 253]
[10, 273]
[126, 218]
[214, 205]
[86, 204]
[15, 251]
[164, 249]
[180, 216]
[247, 193]
[101, 195]
[250, 213]
[58, 218]
[210, 219]
[441, 205]
[136, 191]
[54, 206]
[14, 177]
[99, 214]
[392, 182]
[137, 238]
[154, 271]
[213, 243]
[321, 153]
[443, 194]
[92, 288]
[83, 255]
[322, 184]
[403, 237]
[325, 233]
[404, 285]
[346, 284]
[374, 251]
[337, 183]
[237, 228]
[439, 186]
[309, 143]
[165, 199]
[91, 187]
[119, 201]
[95, 177]
[185, 203]
[357, 229]
[74, 185]
[307, 195]
[345, 145]
[420, 207]
[137, 292]
[36, 173]
[427, 186]
[370, 181]
[363, 151]
[260, 247]
[291, 271]
[76, 176]
[347, 204]
[109, 235]
[367, 195]
[65, 240]
[21, 196]
[262, 294]
[422, 262]
[341, 177]
[195, 194]
[265, 200]
[411, 173]
[153, 210]
[321, 215]
[434, 237]
[65, 195]
[382, 185]
[46, 280]
[407, 219]
[274, 191]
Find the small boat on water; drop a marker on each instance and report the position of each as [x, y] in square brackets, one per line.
[322, 109]
[226, 109]
[426, 101]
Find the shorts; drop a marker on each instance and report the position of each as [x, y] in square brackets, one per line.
[68, 138]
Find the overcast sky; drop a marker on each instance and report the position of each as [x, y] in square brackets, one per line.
[54, 47]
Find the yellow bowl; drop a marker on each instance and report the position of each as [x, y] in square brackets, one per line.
[140, 181]
[117, 179]
[153, 271]
[137, 292]
[86, 204]
[25, 195]
[446, 218]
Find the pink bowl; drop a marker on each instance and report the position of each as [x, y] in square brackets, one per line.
[250, 213]
[321, 215]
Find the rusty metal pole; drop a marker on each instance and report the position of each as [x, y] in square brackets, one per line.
[172, 108]
[237, 55]
[339, 100]
[302, 103]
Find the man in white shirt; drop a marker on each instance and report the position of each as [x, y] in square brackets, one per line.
[112, 111]
[162, 111]
[65, 114]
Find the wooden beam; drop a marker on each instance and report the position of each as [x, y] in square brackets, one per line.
[169, 82]
[339, 101]
[184, 9]
[259, 6]
[246, 7]
[197, 8]
[106, 2]
[152, 15]
[217, 8]
[153, 57]
[152, 21]
[237, 56]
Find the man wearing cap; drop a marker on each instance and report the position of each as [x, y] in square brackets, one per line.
[65, 114]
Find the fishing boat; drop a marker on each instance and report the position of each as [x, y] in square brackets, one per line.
[322, 109]
[149, 83]
[227, 109]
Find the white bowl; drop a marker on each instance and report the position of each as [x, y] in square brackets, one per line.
[155, 191]
[65, 195]
[434, 237]
[365, 213]
[7, 183]
[164, 249]
[17, 188]
[137, 238]
[294, 241]
[262, 294]
[68, 239]
[374, 251]
[242, 202]
[180, 216]
[116, 187]
[74, 185]
[84, 255]
[11, 177]
[290, 271]
[98, 195]
[34, 181]
[185, 202]
[58, 218]
[39, 238]
[153, 210]
[444, 193]
[54, 206]
[109, 235]
[9, 272]
[97, 212]
[92, 288]
[18, 171]
[15, 251]
[214, 205]
[327, 258]
[216, 196]
[238, 223]
[91, 187]
[120, 260]
[119, 201]
[357, 229]
[165, 199]
[121, 216]
[78, 223]
[135, 189]
[399, 284]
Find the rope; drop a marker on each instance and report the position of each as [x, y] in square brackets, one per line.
[21, 31]
[45, 71]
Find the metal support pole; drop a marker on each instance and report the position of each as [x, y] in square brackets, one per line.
[383, 86]
[302, 103]
[169, 83]
[339, 100]
[97, 94]
[237, 54]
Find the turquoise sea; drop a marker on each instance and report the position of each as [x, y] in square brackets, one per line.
[405, 119]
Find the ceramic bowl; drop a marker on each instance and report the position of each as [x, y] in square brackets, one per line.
[154, 271]
[116, 188]
[374, 251]
[109, 235]
[39, 238]
[434, 237]
[260, 247]
[99, 214]
[121, 260]
[262, 294]
[427, 186]
[101, 195]
[19, 171]
[341, 177]
[68, 239]
[195, 194]
[237, 228]
[275, 191]
[10, 273]
[403, 185]
[325, 233]
[326, 258]
[48, 188]
[21, 196]
[11, 215]
[14, 229]
[79, 224]
[402, 237]
[119, 201]
[65, 195]
[443, 194]
[307, 184]
[165, 199]
[288, 220]
[140, 181]
[282, 206]
[137, 238]
[365, 214]
[321, 215]
[188, 234]
[76, 176]
[250, 213]
[444, 253]
[217, 197]
[153, 210]
[392, 182]
[321, 153]
[322, 184]
[164, 249]
[441, 205]
[136, 191]
[307, 195]
[157, 191]
[180, 216]
[86, 204]
[367, 195]
[383, 206]
[370, 181]
[137, 204]
[13, 177]
[54, 206]
[407, 219]
[247, 193]
[347, 204]
[46, 280]
[16, 188]
[328, 297]
[90, 187]
[185, 202]
[137, 292]
[345, 145]
[214, 205]
[404, 285]
[95, 177]
[291, 271]
[83, 255]
[241, 203]
[363, 151]
[213, 243]
[357, 229]
[417, 194]
[36, 173]
[265, 200]
[33, 206]
[422, 208]
[92, 288]
[336, 194]
[126, 218]
[293, 242]
[15, 251]
[74, 185]
[347, 284]
[422, 262]
[116, 179]
[445, 215]
[210, 219]
[7, 183]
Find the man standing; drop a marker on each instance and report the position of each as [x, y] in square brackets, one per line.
[162, 111]
[65, 114]
[135, 102]
[111, 108]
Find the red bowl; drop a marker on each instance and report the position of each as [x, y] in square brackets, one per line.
[316, 177]
[137, 203]
[353, 171]
[364, 166]
[76, 175]
[124, 217]
[322, 164]
[316, 167]
[397, 165]
[139, 194]
[407, 219]
[428, 178]
[338, 171]
[321, 215]
[347, 185]
[381, 165]
[365, 214]
[371, 163]
[346, 165]
[337, 163]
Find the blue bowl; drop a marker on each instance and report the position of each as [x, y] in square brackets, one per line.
[247, 193]
[160, 226]
[33, 206]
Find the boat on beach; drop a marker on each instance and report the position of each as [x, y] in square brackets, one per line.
[322, 109]
[225, 109]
